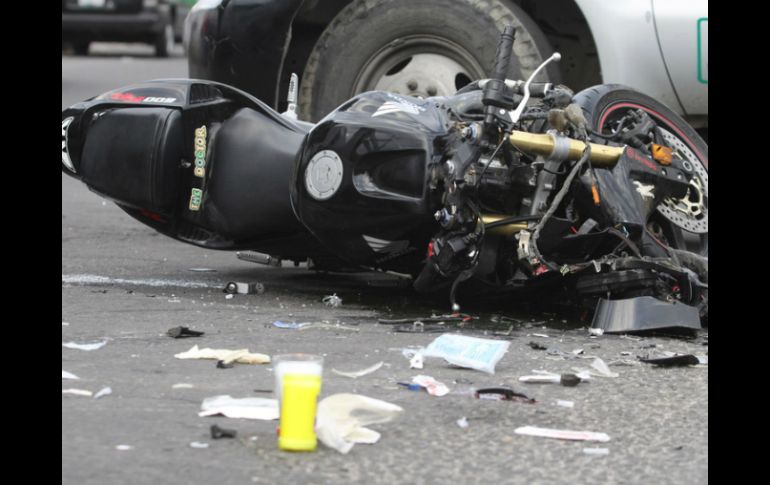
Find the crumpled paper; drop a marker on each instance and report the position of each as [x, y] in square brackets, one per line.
[341, 420]
[246, 408]
[241, 356]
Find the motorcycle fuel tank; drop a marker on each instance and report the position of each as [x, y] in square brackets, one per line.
[362, 183]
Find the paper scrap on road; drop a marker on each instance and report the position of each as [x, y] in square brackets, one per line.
[103, 392]
[596, 451]
[77, 392]
[182, 385]
[342, 418]
[562, 434]
[246, 408]
[434, 387]
[68, 375]
[359, 373]
[93, 346]
[241, 356]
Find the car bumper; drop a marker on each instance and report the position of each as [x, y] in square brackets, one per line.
[112, 26]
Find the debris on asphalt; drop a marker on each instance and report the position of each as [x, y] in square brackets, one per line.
[221, 364]
[93, 346]
[415, 357]
[68, 375]
[199, 445]
[537, 346]
[674, 361]
[241, 356]
[219, 433]
[65, 324]
[290, 325]
[602, 369]
[474, 353]
[462, 422]
[228, 297]
[235, 287]
[106, 391]
[420, 327]
[645, 314]
[541, 335]
[77, 392]
[342, 418]
[568, 380]
[183, 332]
[596, 451]
[562, 434]
[202, 270]
[503, 394]
[182, 385]
[434, 387]
[244, 408]
[565, 404]
[359, 373]
[333, 301]
[596, 332]
[124, 447]
[457, 317]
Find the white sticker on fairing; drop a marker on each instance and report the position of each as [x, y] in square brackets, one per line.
[65, 156]
[398, 105]
[644, 190]
[385, 246]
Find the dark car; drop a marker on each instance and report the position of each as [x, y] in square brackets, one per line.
[340, 48]
[149, 21]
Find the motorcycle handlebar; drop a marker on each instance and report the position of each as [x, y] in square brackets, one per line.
[503, 55]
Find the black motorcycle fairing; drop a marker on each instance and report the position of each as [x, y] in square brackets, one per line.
[136, 146]
[381, 214]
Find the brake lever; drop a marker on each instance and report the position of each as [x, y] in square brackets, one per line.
[516, 114]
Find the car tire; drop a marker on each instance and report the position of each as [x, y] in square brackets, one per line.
[164, 42]
[373, 45]
[81, 48]
[602, 103]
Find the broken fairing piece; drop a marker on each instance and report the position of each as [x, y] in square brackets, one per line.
[674, 361]
[68, 375]
[235, 287]
[103, 392]
[93, 346]
[562, 434]
[644, 313]
[183, 332]
[341, 419]
[470, 352]
[434, 387]
[245, 408]
[219, 433]
[333, 301]
[241, 356]
[77, 392]
[359, 373]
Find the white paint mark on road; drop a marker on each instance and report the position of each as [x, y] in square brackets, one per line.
[89, 279]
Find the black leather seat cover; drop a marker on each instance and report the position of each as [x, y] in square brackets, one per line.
[133, 155]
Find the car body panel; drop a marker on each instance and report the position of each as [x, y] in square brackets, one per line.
[683, 33]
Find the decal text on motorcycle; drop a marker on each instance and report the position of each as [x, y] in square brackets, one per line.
[132, 98]
[200, 152]
[196, 197]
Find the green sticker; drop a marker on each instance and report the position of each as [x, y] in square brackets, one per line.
[703, 50]
[196, 197]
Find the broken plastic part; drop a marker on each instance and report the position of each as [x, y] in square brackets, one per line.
[68, 375]
[562, 434]
[219, 433]
[93, 346]
[241, 356]
[644, 313]
[245, 408]
[359, 373]
[103, 392]
[183, 332]
[234, 287]
[434, 387]
[674, 361]
[503, 394]
[333, 301]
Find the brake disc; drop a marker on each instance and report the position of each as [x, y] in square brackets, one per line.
[691, 211]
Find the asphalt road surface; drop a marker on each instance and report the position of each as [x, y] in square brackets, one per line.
[125, 285]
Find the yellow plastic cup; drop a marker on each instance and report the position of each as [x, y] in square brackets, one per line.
[298, 383]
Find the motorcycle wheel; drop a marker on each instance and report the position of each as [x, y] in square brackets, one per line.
[425, 48]
[680, 223]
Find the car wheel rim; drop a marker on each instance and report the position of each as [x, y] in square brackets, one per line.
[418, 66]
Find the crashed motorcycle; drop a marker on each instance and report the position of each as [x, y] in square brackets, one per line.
[508, 187]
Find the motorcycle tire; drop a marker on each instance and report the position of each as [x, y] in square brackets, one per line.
[682, 224]
[425, 48]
